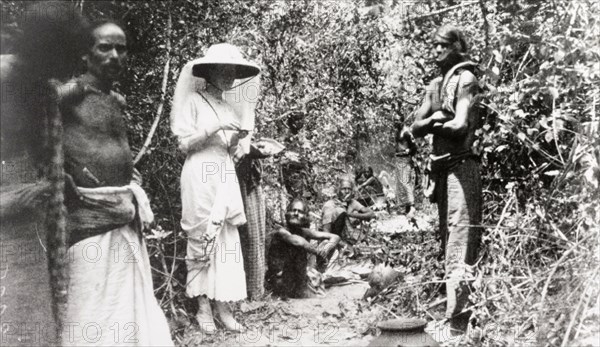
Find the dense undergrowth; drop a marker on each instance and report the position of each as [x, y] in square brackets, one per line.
[335, 76]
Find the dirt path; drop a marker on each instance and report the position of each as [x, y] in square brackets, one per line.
[340, 317]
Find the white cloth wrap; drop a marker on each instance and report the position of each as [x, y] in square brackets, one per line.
[111, 298]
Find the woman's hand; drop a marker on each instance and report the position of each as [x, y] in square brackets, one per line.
[227, 124]
[230, 124]
[238, 154]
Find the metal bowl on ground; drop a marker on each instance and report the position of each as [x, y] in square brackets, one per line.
[403, 332]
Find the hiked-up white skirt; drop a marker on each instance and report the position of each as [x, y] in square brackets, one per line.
[210, 193]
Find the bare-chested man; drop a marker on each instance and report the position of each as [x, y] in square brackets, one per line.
[339, 213]
[447, 114]
[288, 250]
[96, 147]
[110, 280]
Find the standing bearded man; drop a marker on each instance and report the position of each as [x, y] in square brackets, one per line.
[455, 170]
[110, 298]
[406, 176]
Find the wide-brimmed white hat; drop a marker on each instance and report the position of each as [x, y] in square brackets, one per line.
[224, 54]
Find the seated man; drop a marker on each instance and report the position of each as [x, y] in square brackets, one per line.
[339, 213]
[370, 189]
[288, 250]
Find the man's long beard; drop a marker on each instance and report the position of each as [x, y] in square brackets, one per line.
[297, 222]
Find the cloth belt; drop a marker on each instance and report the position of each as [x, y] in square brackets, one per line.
[103, 209]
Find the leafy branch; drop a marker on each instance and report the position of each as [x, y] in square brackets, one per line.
[161, 104]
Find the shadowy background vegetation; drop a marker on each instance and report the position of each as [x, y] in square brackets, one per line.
[335, 76]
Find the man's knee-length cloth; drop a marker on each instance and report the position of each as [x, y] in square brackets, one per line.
[211, 204]
[253, 234]
[253, 239]
[405, 180]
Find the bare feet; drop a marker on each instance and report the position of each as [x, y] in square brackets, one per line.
[224, 316]
[204, 316]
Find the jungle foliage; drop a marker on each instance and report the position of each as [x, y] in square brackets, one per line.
[338, 74]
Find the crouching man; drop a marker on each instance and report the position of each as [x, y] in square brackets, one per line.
[288, 252]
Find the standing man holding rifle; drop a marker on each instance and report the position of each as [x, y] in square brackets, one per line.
[447, 113]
